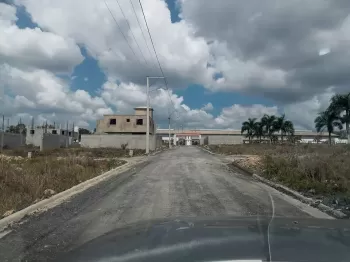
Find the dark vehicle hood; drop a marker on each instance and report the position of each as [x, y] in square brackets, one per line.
[216, 239]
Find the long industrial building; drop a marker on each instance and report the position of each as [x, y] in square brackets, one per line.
[226, 136]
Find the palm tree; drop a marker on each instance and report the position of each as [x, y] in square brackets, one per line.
[259, 130]
[269, 125]
[284, 126]
[249, 127]
[328, 120]
[339, 104]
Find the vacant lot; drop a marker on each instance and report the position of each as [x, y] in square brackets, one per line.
[320, 171]
[24, 181]
[75, 151]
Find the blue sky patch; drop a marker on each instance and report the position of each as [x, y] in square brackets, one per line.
[196, 96]
[87, 75]
[24, 19]
[174, 10]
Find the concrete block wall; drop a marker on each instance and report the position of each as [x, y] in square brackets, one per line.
[115, 141]
[225, 139]
[35, 139]
[50, 141]
[13, 140]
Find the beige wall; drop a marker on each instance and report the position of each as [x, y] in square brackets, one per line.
[116, 141]
[225, 140]
[143, 112]
[122, 125]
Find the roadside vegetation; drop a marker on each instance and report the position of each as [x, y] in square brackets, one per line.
[318, 170]
[75, 151]
[24, 181]
[315, 170]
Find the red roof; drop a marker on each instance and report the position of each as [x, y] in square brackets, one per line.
[188, 134]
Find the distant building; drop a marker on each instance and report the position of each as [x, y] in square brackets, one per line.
[227, 136]
[126, 124]
[34, 134]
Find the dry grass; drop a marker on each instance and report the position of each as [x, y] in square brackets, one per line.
[309, 168]
[319, 174]
[23, 181]
[76, 152]
[273, 149]
[319, 171]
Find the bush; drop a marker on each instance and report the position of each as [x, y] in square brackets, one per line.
[124, 146]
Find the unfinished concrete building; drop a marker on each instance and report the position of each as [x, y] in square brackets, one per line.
[35, 135]
[126, 124]
[127, 131]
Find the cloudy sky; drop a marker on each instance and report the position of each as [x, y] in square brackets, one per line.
[225, 60]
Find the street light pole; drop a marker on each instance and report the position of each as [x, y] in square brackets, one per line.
[147, 118]
[147, 112]
[169, 133]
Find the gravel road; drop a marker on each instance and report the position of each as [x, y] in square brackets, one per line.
[182, 182]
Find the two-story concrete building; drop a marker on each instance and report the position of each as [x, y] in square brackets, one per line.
[126, 124]
[127, 131]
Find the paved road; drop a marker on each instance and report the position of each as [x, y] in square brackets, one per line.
[182, 182]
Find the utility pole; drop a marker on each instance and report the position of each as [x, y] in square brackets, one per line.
[169, 133]
[73, 133]
[67, 137]
[347, 120]
[147, 118]
[3, 132]
[147, 111]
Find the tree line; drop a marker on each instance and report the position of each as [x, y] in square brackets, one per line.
[331, 120]
[337, 114]
[268, 126]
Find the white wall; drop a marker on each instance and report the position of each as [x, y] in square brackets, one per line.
[340, 141]
[115, 141]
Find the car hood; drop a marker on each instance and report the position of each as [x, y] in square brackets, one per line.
[228, 239]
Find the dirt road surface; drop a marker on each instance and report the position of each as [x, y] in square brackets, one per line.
[182, 182]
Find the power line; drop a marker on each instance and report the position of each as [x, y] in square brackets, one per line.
[155, 52]
[126, 40]
[143, 35]
[121, 9]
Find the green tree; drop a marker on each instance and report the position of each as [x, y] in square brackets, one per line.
[328, 120]
[283, 126]
[17, 129]
[268, 123]
[259, 130]
[341, 104]
[249, 127]
[84, 131]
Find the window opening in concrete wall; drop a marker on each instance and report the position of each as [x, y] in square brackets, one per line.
[113, 121]
[62, 132]
[54, 132]
[139, 122]
[32, 132]
[128, 120]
